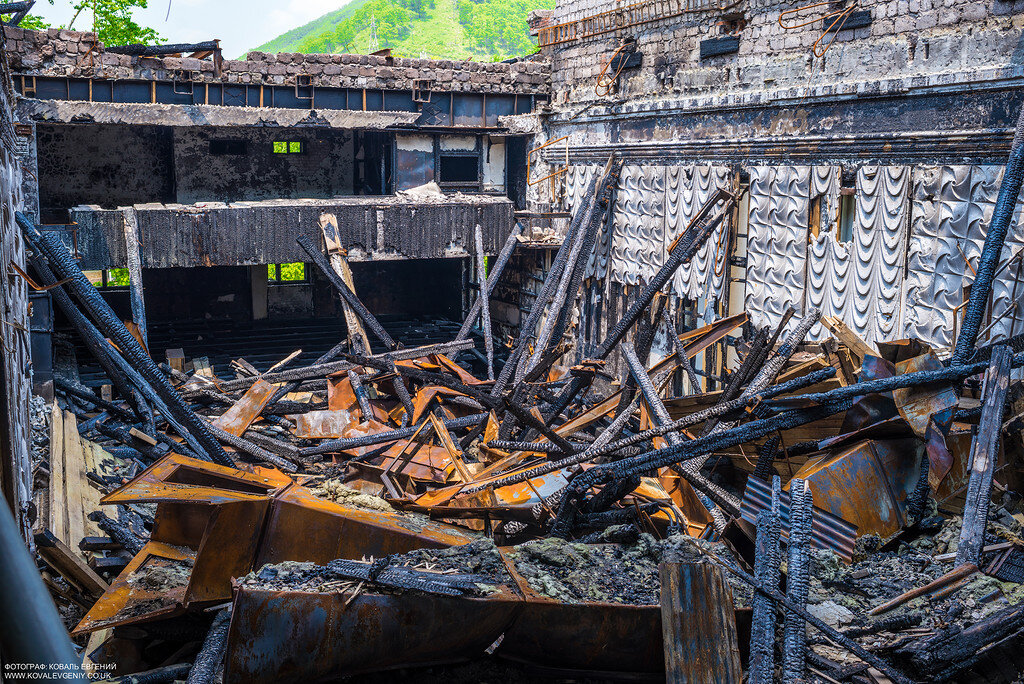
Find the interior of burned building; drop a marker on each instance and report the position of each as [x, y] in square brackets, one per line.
[685, 348]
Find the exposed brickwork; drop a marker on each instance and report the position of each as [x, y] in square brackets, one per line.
[906, 38]
[78, 54]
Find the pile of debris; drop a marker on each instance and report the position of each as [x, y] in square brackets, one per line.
[384, 508]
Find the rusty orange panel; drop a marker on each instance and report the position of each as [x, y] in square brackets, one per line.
[131, 600]
[303, 527]
[237, 419]
[867, 484]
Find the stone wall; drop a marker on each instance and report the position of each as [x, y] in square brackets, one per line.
[78, 54]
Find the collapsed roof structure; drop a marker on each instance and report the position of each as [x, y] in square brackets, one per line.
[685, 349]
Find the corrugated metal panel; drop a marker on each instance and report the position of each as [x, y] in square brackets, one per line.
[249, 233]
[952, 209]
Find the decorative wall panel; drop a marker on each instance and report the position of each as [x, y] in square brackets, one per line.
[776, 242]
[880, 241]
[577, 180]
[952, 208]
[687, 188]
[638, 240]
[860, 280]
[828, 259]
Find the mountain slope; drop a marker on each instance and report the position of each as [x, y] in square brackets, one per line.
[287, 42]
[451, 29]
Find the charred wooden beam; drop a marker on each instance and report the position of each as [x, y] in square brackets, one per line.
[767, 572]
[368, 319]
[139, 50]
[801, 512]
[485, 302]
[991, 252]
[211, 655]
[492, 280]
[984, 456]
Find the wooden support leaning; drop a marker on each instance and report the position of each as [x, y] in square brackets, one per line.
[984, 454]
[134, 250]
[336, 252]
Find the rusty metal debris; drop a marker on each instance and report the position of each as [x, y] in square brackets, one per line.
[372, 509]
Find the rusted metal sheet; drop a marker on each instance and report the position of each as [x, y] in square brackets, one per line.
[596, 637]
[253, 233]
[303, 527]
[303, 637]
[828, 532]
[219, 517]
[237, 419]
[867, 484]
[131, 598]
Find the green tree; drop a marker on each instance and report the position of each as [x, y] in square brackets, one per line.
[344, 35]
[111, 21]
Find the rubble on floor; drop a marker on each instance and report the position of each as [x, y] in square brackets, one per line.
[381, 508]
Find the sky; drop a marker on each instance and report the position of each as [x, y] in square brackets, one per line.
[241, 25]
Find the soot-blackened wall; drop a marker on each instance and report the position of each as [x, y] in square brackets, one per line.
[233, 164]
[417, 287]
[110, 166]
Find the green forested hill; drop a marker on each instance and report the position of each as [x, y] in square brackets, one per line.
[455, 29]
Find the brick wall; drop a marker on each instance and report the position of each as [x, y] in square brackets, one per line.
[905, 38]
[78, 54]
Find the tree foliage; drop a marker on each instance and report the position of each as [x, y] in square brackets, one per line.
[499, 26]
[111, 21]
[495, 28]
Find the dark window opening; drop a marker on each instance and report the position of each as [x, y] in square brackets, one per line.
[847, 216]
[227, 147]
[459, 169]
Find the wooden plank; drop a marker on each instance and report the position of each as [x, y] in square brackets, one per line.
[133, 249]
[984, 456]
[698, 624]
[76, 484]
[336, 253]
[58, 497]
[69, 564]
[857, 346]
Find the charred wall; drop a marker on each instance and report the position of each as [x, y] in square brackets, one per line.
[233, 164]
[15, 363]
[109, 166]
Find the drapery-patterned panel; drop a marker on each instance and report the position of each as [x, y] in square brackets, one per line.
[952, 209]
[687, 188]
[860, 280]
[915, 236]
[776, 241]
[638, 240]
